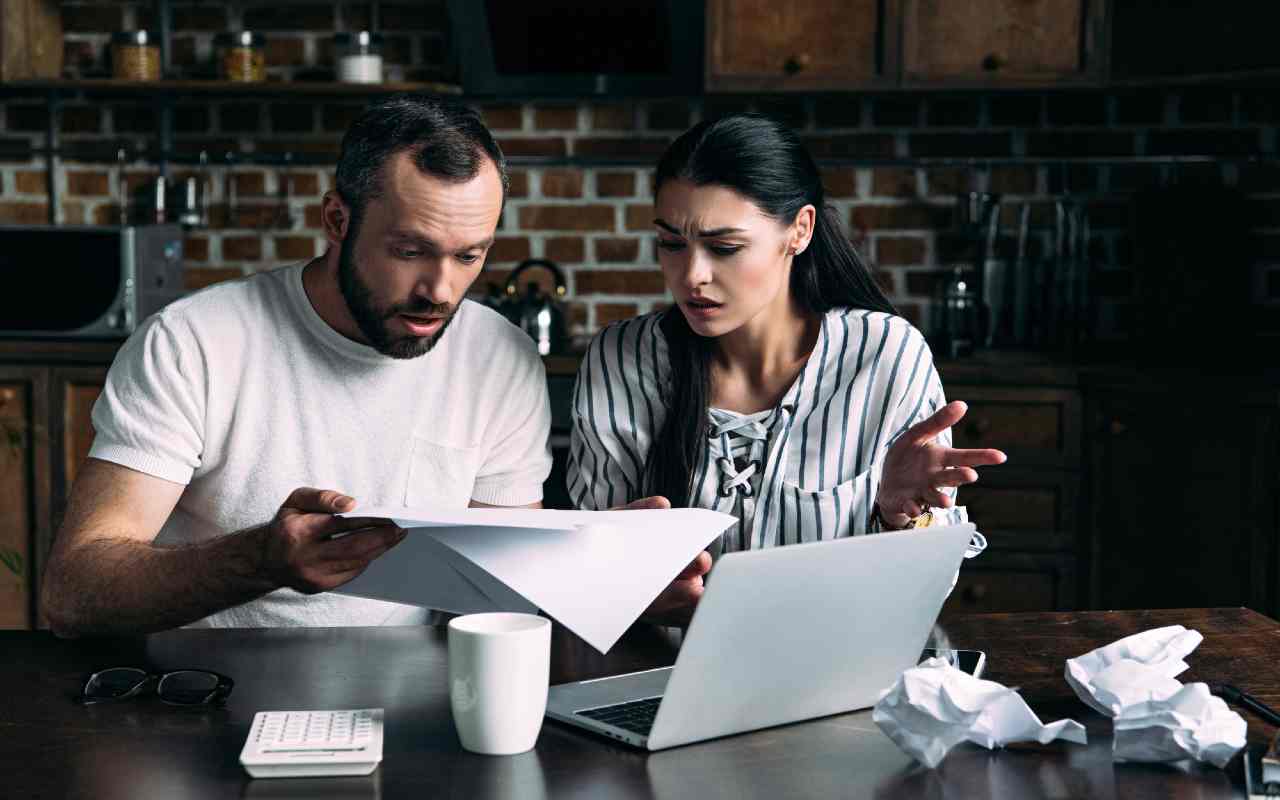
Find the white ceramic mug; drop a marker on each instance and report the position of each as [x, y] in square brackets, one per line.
[499, 669]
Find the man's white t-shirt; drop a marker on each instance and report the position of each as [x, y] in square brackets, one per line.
[242, 393]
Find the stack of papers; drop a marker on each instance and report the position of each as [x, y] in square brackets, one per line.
[595, 572]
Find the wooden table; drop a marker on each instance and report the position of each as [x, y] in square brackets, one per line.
[50, 747]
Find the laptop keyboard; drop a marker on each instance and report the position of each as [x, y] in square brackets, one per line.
[635, 716]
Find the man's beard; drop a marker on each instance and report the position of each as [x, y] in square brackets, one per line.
[373, 320]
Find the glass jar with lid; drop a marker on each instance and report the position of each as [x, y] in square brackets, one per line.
[241, 56]
[135, 56]
[358, 56]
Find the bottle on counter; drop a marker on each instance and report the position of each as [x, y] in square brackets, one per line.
[241, 56]
[358, 56]
[135, 56]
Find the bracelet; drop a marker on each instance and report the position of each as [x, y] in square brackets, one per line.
[923, 521]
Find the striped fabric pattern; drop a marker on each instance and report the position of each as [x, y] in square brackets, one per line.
[869, 378]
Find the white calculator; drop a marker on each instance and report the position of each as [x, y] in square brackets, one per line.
[304, 744]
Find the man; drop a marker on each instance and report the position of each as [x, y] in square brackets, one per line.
[362, 373]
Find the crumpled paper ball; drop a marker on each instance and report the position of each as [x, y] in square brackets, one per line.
[1155, 717]
[1131, 670]
[933, 706]
[1191, 723]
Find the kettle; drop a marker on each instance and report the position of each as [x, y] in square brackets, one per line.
[537, 314]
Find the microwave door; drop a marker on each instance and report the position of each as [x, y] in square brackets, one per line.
[64, 281]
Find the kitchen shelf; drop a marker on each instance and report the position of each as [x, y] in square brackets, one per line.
[228, 88]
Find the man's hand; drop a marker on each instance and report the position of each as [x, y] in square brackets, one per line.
[656, 501]
[299, 548]
[917, 468]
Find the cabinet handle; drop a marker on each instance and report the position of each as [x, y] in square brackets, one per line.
[975, 593]
[992, 62]
[796, 64]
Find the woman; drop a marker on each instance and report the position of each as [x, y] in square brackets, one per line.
[782, 388]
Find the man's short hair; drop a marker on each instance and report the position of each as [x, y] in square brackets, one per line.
[446, 139]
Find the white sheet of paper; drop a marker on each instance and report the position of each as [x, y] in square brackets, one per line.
[593, 571]
[423, 574]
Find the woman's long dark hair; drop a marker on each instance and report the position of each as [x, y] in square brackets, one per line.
[766, 163]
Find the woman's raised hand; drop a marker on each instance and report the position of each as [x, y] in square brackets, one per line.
[917, 468]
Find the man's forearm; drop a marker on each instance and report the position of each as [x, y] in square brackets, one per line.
[117, 585]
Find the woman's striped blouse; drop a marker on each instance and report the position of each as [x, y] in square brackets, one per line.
[806, 470]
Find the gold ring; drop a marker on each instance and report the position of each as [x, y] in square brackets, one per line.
[922, 521]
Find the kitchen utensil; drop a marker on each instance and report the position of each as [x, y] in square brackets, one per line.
[537, 314]
[229, 191]
[122, 187]
[190, 204]
[1070, 314]
[960, 313]
[158, 206]
[959, 322]
[281, 217]
[1021, 280]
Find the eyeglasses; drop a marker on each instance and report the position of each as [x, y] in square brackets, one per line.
[182, 687]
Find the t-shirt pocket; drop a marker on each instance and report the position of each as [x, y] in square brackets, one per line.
[809, 516]
[441, 475]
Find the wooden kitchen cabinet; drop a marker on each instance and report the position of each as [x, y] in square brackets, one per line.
[1195, 38]
[30, 39]
[75, 390]
[1008, 582]
[754, 45]
[1028, 508]
[1183, 492]
[992, 42]
[759, 45]
[1035, 426]
[47, 391]
[24, 490]
[1025, 509]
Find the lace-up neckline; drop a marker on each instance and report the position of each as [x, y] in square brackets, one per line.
[737, 443]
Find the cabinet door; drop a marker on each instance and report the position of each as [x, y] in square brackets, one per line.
[1000, 41]
[1035, 427]
[806, 44]
[24, 489]
[1195, 37]
[75, 389]
[1006, 582]
[1173, 513]
[1025, 509]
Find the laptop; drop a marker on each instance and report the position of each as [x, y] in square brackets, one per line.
[782, 635]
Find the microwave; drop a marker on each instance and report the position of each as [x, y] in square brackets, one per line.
[86, 281]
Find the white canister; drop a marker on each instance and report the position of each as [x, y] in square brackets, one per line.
[358, 56]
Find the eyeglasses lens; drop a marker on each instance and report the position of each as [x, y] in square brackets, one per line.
[187, 687]
[115, 682]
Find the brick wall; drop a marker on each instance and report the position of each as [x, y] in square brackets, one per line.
[595, 221]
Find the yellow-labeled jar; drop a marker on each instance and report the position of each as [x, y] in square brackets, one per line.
[241, 56]
[135, 56]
